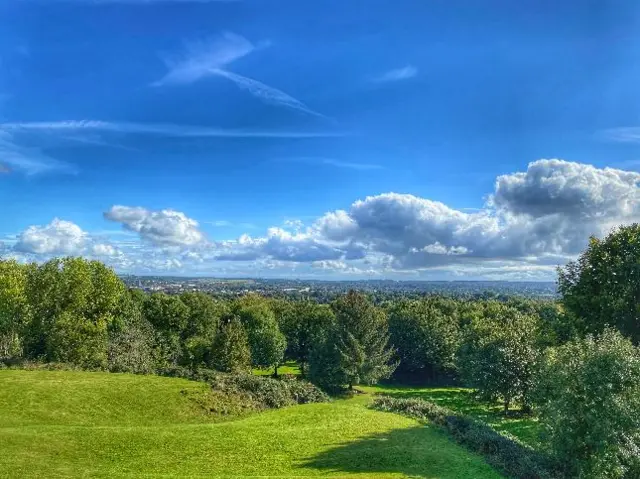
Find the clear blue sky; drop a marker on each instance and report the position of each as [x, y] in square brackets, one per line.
[255, 114]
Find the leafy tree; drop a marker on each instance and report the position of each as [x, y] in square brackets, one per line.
[499, 354]
[266, 341]
[426, 338]
[169, 317]
[203, 322]
[304, 323]
[74, 302]
[13, 308]
[588, 399]
[231, 352]
[602, 288]
[357, 349]
[132, 346]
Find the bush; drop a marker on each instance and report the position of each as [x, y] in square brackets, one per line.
[264, 392]
[502, 451]
[589, 403]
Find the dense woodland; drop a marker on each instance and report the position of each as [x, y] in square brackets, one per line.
[573, 362]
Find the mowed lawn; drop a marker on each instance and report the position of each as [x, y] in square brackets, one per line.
[81, 424]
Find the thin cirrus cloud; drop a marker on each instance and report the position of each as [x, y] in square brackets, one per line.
[397, 74]
[209, 58]
[333, 162]
[160, 129]
[628, 134]
[27, 160]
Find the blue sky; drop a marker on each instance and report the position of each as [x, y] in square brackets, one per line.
[263, 138]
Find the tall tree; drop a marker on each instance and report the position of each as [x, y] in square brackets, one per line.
[499, 354]
[602, 288]
[266, 341]
[13, 308]
[230, 352]
[362, 340]
[202, 324]
[426, 338]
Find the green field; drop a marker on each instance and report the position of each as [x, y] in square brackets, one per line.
[81, 424]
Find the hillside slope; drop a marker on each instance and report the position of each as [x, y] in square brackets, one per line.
[71, 424]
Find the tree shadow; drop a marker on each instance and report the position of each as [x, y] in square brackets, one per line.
[421, 451]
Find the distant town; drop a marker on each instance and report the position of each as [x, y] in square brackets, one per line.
[319, 290]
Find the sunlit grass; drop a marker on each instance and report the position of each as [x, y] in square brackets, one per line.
[81, 424]
[524, 427]
[290, 367]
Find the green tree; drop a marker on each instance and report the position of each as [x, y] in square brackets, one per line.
[499, 354]
[588, 399]
[169, 317]
[357, 350]
[202, 324]
[13, 308]
[425, 337]
[304, 323]
[602, 288]
[266, 341]
[231, 352]
[74, 303]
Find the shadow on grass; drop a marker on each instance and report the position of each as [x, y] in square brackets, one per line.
[417, 452]
[522, 426]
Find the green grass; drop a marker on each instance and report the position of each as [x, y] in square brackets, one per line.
[81, 424]
[290, 367]
[523, 427]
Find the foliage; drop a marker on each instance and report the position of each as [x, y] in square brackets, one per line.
[13, 308]
[304, 323]
[502, 451]
[499, 355]
[230, 351]
[74, 302]
[602, 288]
[265, 392]
[266, 341]
[425, 337]
[202, 324]
[169, 317]
[361, 339]
[589, 404]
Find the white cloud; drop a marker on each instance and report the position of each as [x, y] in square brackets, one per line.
[162, 228]
[58, 237]
[397, 74]
[212, 57]
[101, 249]
[14, 156]
[157, 129]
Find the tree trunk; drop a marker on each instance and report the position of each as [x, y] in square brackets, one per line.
[506, 407]
[275, 371]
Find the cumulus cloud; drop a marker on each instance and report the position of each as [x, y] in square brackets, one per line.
[162, 228]
[58, 237]
[548, 211]
[531, 222]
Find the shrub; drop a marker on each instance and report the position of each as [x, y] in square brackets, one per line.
[502, 451]
[589, 403]
[264, 392]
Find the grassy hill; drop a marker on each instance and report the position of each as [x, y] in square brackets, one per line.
[72, 424]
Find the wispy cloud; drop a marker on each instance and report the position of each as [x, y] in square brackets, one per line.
[397, 74]
[629, 134]
[28, 160]
[212, 57]
[135, 2]
[161, 129]
[333, 162]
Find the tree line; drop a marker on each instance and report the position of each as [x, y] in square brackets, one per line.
[573, 362]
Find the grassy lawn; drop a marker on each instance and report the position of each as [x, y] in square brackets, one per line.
[290, 367]
[460, 399]
[73, 424]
